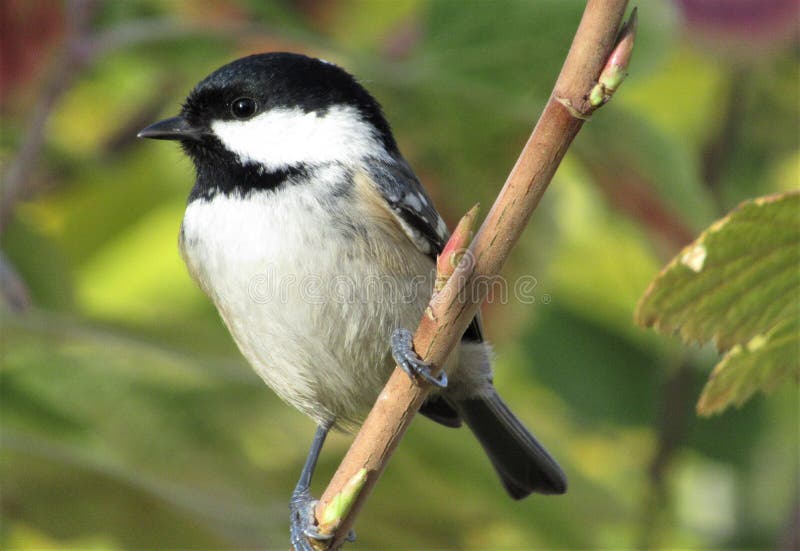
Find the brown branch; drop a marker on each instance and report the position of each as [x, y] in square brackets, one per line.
[674, 419]
[790, 539]
[718, 152]
[17, 177]
[13, 290]
[449, 314]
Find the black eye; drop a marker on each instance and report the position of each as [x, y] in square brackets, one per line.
[243, 108]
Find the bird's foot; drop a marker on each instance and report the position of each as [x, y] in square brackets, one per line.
[301, 522]
[403, 353]
[302, 526]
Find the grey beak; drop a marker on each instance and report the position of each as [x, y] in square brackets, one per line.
[176, 128]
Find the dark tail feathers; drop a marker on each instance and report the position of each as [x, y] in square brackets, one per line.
[523, 464]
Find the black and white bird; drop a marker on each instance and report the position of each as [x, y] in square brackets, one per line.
[317, 243]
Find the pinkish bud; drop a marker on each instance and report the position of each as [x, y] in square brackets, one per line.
[448, 259]
[616, 67]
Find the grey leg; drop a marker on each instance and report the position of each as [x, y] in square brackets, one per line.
[301, 505]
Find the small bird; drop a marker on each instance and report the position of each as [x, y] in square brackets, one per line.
[317, 243]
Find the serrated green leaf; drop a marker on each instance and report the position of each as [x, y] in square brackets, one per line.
[762, 364]
[736, 281]
[737, 285]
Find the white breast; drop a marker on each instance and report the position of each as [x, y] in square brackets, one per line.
[304, 292]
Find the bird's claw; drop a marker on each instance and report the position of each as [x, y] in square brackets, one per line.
[302, 526]
[410, 362]
[301, 522]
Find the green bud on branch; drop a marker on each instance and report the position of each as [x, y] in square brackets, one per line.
[616, 68]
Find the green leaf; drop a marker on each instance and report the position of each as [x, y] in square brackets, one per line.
[762, 364]
[737, 285]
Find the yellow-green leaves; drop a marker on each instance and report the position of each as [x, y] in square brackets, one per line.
[761, 364]
[737, 285]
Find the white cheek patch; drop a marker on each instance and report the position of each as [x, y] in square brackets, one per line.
[285, 137]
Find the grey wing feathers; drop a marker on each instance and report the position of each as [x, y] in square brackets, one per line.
[411, 205]
[417, 216]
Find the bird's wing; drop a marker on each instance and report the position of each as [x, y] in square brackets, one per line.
[414, 211]
[411, 206]
[425, 228]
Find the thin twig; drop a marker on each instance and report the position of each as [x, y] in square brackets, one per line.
[673, 421]
[12, 287]
[452, 309]
[17, 177]
[721, 147]
[790, 538]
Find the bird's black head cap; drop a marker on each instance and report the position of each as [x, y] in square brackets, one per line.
[248, 87]
[283, 79]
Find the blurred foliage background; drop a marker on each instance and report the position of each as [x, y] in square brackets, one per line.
[129, 420]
